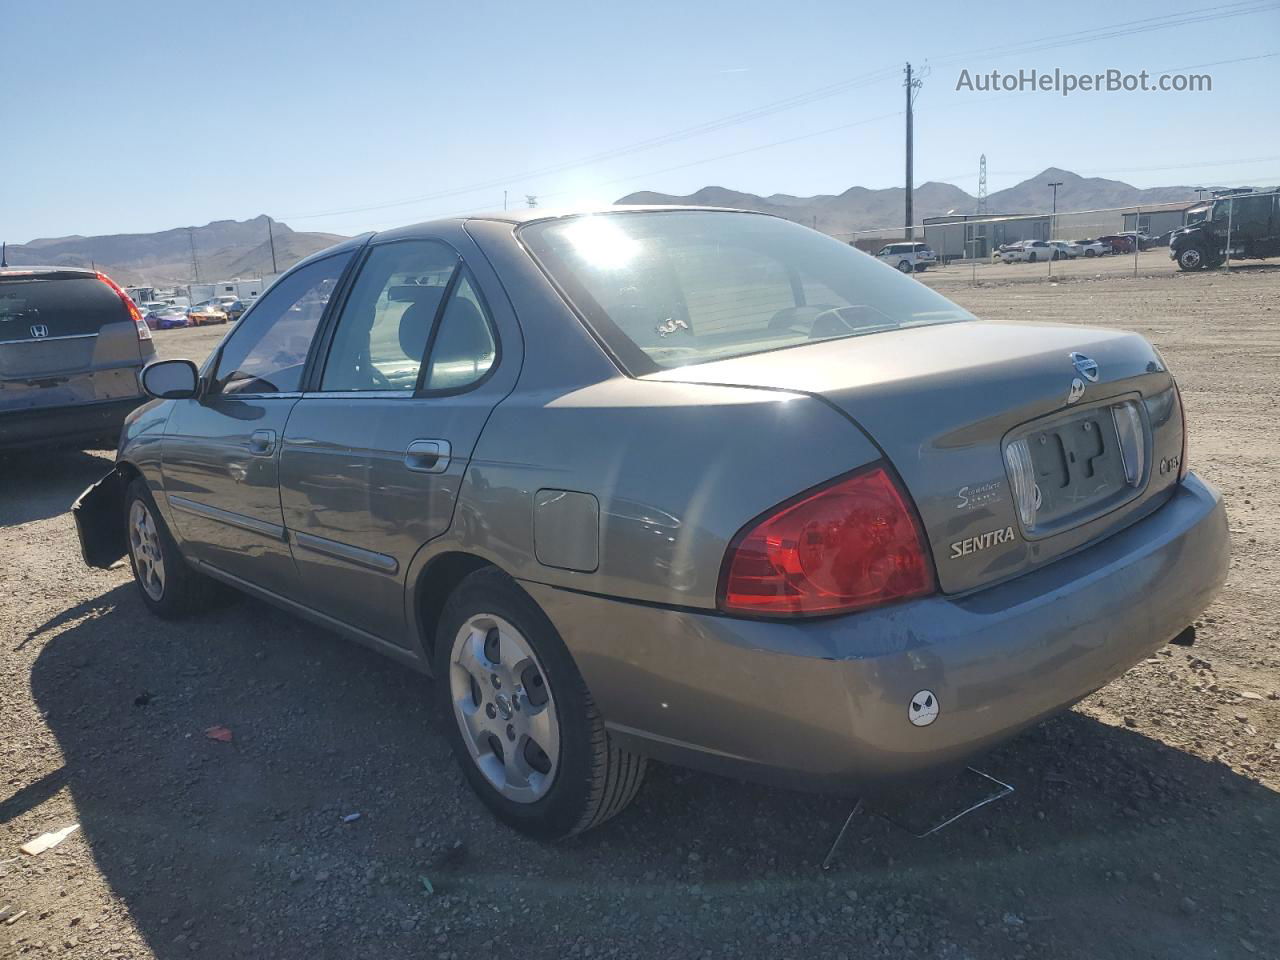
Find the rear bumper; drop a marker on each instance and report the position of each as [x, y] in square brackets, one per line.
[65, 425]
[824, 704]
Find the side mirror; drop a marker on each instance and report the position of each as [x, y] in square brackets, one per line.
[171, 379]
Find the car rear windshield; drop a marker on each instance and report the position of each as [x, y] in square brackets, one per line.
[668, 289]
[33, 307]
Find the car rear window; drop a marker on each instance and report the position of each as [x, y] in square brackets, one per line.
[32, 308]
[668, 289]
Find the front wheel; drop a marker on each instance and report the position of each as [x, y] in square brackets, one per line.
[519, 717]
[1031, 258]
[169, 586]
[1190, 259]
[904, 266]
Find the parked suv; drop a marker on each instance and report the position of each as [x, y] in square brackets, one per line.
[907, 257]
[71, 346]
[1253, 220]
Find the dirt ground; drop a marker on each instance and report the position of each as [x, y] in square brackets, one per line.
[1146, 821]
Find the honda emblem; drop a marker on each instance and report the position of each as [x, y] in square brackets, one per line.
[39, 330]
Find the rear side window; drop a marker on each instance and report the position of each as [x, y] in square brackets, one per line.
[463, 349]
[268, 351]
[70, 307]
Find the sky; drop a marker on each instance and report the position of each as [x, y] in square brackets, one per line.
[143, 115]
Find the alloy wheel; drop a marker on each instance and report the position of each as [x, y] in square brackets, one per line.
[144, 545]
[504, 708]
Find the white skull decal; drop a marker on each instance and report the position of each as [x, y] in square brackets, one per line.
[923, 709]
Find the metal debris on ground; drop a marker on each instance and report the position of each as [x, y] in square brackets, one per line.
[351, 818]
[46, 840]
[426, 884]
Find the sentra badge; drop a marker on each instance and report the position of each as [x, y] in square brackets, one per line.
[992, 538]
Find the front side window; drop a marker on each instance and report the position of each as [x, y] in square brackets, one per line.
[667, 289]
[267, 352]
[382, 334]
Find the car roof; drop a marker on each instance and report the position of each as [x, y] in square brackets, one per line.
[60, 273]
[534, 214]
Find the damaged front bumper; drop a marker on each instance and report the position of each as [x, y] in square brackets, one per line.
[100, 520]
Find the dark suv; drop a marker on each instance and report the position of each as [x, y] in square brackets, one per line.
[71, 346]
[1251, 219]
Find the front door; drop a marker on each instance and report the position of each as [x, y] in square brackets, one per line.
[222, 450]
[375, 451]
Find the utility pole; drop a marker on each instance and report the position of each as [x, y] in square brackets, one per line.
[271, 238]
[504, 199]
[912, 84]
[910, 88]
[1053, 221]
[195, 264]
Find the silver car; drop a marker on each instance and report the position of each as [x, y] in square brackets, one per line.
[696, 485]
[72, 344]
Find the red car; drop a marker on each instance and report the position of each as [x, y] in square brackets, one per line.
[1119, 243]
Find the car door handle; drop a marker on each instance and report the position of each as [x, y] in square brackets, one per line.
[428, 456]
[262, 443]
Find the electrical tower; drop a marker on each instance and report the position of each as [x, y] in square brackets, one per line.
[531, 199]
[982, 185]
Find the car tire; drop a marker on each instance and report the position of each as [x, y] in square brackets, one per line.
[904, 266]
[1091, 253]
[1192, 258]
[495, 650]
[169, 586]
[921, 267]
[1031, 257]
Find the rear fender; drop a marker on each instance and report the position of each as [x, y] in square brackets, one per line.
[100, 521]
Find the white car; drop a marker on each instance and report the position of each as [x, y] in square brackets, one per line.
[907, 257]
[1093, 248]
[1066, 249]
[1028, 251]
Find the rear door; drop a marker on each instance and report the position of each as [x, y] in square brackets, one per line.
[222, 450]
[65, 338]
[376, 449]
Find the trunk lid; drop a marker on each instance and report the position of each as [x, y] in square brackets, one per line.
[946, 402]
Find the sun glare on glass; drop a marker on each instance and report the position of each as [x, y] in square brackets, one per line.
[601, 244]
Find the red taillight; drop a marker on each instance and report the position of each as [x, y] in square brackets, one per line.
[144, 332]
[1182, 411]
[853, 544]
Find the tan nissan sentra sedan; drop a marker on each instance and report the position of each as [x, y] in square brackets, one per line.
[697, 485]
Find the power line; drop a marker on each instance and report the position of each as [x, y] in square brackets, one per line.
[1127, 28]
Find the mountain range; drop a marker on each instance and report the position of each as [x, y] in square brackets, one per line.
[860, 208]
[241, 248]
[223, 249]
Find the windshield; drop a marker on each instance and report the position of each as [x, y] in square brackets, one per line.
[667, 289]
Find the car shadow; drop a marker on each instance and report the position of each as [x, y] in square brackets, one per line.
[38, 484]
[1113, 845]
